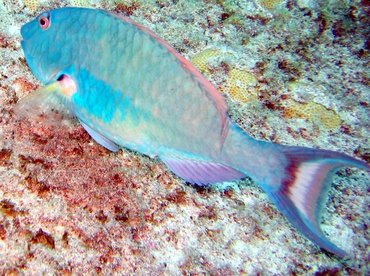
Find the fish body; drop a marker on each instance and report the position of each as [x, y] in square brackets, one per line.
[129, 88]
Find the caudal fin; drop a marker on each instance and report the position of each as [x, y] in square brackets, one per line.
[303, 190]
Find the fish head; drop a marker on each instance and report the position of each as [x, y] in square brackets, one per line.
[46, 43]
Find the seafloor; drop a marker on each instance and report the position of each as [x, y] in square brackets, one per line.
[293, 72]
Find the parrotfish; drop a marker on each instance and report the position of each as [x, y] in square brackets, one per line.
[129, 88]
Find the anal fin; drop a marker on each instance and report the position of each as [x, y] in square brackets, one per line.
[201, 172]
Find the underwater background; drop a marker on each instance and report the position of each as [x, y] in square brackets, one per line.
[292, 72]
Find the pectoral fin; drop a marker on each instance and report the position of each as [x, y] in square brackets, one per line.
[43, 102]
[100, 139]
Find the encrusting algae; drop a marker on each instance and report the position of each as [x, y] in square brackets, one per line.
[241, 86]
[201, 60]
[312, 111]
[31, 5]
[270, 4]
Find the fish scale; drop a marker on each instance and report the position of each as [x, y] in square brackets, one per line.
[129, 88]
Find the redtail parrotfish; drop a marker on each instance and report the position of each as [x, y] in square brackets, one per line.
[129, 88]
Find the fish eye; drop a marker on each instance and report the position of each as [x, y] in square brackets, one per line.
[44, 21]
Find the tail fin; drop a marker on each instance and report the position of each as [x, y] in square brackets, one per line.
[302, 192]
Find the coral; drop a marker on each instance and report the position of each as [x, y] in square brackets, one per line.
[315, 112]
[241, 85]
[32, 5]
[270, 4]
[80, 3]
[202, 59]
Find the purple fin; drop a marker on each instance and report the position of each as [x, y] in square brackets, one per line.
[201, 172]
[100, 139]
[303, 191]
